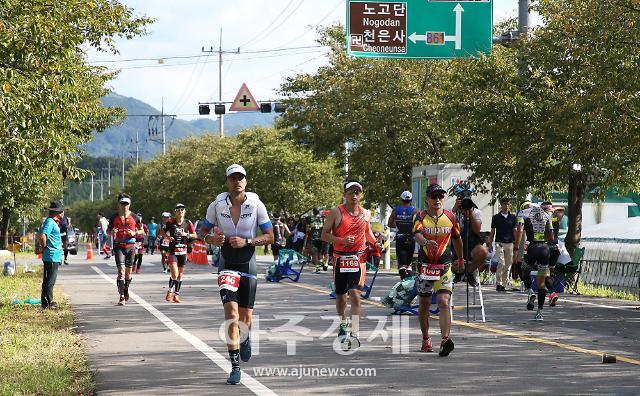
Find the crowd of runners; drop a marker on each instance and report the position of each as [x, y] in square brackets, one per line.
[437, 246]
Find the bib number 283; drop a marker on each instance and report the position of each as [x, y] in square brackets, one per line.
[229, 280]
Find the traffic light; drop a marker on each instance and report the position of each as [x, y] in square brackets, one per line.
[280, 107]
[204, 109]
[219, 109]
[265, 107]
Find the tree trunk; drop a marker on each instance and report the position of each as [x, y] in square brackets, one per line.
[4, 228]
[577, 184]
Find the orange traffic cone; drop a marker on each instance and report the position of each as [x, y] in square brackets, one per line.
[89, 252]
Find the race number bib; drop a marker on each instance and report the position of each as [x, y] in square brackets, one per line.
[180, 249]
[139, 245]
[165, 242]
[349, 263]
[229, 280]
[431, 272]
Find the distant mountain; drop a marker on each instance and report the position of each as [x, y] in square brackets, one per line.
[113, 141]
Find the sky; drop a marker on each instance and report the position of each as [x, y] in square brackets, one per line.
[276, 39]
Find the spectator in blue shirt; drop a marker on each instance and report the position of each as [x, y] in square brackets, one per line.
[51, 243]
[153, 234]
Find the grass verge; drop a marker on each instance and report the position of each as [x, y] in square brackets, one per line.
[40, 354]
[601, 291]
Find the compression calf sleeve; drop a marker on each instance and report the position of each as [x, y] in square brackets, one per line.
[120, 284]
[234, 356]
[178, 284]
[542, 293]
[549, 284]
[171, 283]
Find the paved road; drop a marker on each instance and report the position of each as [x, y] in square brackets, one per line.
[154, 347]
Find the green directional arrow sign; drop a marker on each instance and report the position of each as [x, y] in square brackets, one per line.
[428, 29]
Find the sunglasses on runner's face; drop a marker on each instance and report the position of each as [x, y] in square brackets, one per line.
[180, 209]
[436, 196]
[124, 203]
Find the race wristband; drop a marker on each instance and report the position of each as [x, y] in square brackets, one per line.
[460, 261]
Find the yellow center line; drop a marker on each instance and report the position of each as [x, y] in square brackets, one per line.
[508, 333]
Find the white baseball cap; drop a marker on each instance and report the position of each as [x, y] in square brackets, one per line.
[406, 196]
[235, 168]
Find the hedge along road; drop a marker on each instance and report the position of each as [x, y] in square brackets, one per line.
[151, 346]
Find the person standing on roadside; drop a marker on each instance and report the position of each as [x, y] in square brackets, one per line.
[51, 243]
[153, 234]
[503, 228]
[237, 214]
[124, 226]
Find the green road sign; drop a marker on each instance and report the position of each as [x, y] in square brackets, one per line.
[429, 29]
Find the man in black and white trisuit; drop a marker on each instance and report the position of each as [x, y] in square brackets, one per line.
[535, 224]
[237, 214]
[401, 220]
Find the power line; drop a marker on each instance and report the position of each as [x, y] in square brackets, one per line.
[281, 23]
[314, 25]
[270, 24]
[232, 60]
[197, 56]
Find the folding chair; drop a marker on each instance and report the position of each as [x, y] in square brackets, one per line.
[570, 274]
[287, 259]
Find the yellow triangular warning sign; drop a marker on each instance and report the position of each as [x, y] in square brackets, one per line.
[244, 101]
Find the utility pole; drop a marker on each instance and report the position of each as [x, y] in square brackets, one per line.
[91, 188]
[523, 17]
[123, 153]
[137, 150]
[220, 52]
[109, 176]
[164, 133]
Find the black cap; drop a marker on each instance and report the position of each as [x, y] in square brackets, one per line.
[435, 187]
[56, 207]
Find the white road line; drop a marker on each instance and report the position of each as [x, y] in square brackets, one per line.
[254, 385]
[628, 308]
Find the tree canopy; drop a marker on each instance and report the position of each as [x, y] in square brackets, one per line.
[49, 94]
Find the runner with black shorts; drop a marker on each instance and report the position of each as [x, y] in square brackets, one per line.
[164, 242]
[317, 244]
[137, 260]
[536, 224]
[347, 228]
[402, 220]
[64, 225]
[237, 214]
[124, 226]
[180, 232]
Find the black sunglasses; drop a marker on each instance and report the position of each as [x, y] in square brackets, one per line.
[436, 196]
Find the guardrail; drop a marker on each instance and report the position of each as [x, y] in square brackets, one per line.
[612, 262]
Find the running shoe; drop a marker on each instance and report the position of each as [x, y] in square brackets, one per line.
[176, 298]
[538, 315]
[354, 341]
[471, 279]
[427, 345]
[317, 270]
[138, 271]
[66, 262]
[342, 331]
[122, 301]
[553, 299]
[446, 346]
[245, 349]
[234, 376]
[169, 296]
[531, 300]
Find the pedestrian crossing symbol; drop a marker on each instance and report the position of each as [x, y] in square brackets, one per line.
[244, 101]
